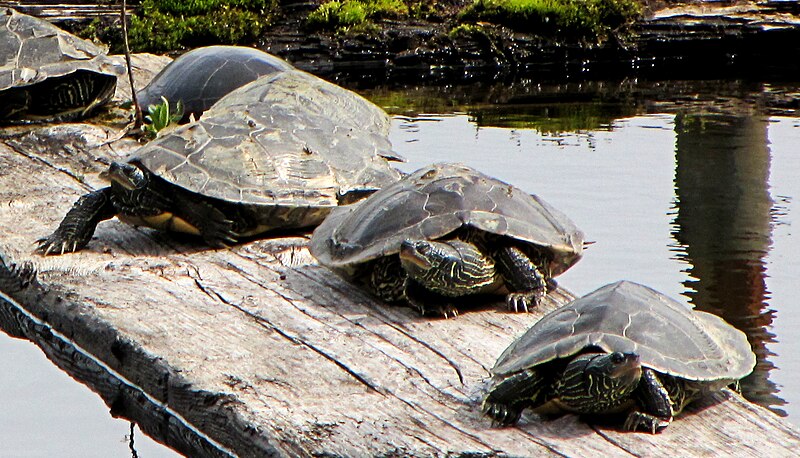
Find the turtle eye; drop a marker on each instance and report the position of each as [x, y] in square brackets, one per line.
[617, 358]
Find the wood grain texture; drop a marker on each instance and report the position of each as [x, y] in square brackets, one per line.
[258, 351]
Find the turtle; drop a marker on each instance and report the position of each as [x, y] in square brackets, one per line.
[445, 232]
[623, 350]
[202, 76]
[47, 74]
[245, 168]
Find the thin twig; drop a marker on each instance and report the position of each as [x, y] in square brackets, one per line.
[138, 110]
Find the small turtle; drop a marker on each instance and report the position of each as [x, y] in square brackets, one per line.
[622, 349]
[448, 231]
[47, 74]
[202, 76]
[246, 168]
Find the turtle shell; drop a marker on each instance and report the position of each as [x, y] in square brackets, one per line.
[435, 201]
[202, 76]
[628, 317]
[33, 50]
[285, 152]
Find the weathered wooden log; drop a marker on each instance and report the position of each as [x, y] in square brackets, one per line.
[258, 351]
[58, 11]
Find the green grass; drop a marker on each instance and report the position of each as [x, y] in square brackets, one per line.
[347, 14]
[168, 25]
[584, 19]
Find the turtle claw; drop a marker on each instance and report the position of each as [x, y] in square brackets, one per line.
[446, 311]
[643, 421]
[54, 245]
[524, 302]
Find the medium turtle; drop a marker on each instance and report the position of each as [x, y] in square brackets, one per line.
[202, 76]
[245, 168]
[622, 349]
[448, 231]
[47, 74]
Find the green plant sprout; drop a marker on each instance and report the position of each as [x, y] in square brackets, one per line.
[160, 116]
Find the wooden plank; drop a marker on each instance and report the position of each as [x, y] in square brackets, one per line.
[258, 351]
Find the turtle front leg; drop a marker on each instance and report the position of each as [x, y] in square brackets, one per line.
[523, 278]
[507, 398]
[77, 227]
[427, 302]
[655, 405]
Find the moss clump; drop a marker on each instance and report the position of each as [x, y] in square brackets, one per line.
[166, 25]
[582, 19]
[347, 14]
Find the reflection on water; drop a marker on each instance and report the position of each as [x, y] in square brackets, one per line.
[722, 228]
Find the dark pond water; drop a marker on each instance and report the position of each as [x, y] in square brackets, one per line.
[682, 186]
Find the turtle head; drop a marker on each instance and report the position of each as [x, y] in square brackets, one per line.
[420, 256]
[452, 267]
[613, 374]
[595, 382]
[128, 176]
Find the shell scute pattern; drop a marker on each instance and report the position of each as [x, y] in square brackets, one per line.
[432, 203]
[263, 154]
[626, 317]
[48, 74]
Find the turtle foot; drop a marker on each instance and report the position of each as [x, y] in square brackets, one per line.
[501, 414]
[525, 301]
[54, 245]
[220, 234]
[446, 310]
[642, 421]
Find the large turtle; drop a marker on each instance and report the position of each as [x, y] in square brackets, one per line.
[202, 76]
[47, 74]
[622, 349]
[448, 231]
[245, 167]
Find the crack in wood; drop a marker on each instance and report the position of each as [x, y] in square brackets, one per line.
[374, 333]
[74, 176]
[449, 361]
[611, 441]
[294, 339]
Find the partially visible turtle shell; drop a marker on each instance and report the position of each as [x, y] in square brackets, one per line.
[202, 76]
[338, 112]
[288, 152]
[35, 52]
[435, 201]
[628, 317]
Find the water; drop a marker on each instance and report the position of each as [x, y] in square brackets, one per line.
[698, 205]
[48, 414]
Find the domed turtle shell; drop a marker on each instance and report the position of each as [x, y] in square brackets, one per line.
[272, 148]
[435, 201]
[631, 318]
[33, 50]
[202, 76]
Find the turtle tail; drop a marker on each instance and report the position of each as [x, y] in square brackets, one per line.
[507, 398]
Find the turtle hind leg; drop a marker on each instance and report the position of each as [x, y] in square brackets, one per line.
[507, 399]
[77, 227]
[213, 225]
[523, 277]
[655, 406]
